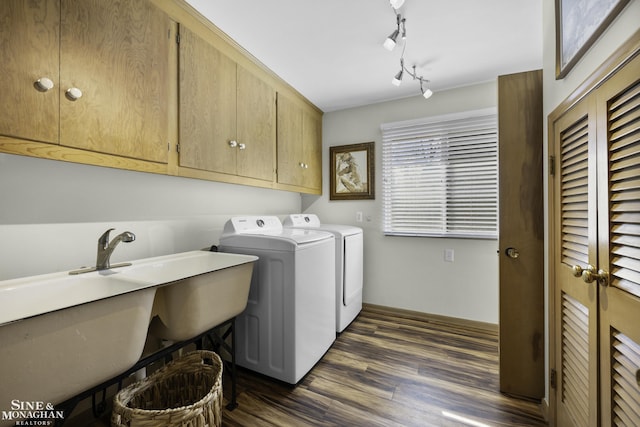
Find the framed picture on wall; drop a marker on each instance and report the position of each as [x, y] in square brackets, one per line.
[579, 23]
[351, 172]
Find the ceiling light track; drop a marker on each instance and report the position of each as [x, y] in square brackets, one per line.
[391, 42]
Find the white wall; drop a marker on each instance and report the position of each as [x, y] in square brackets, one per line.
[52, 213]
[410, 272]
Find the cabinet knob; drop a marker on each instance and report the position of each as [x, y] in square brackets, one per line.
[241, 146]
[73, 94]
[304, 165]
[43, 84]
[233, 144]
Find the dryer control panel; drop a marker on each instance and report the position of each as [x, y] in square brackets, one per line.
[252, 225]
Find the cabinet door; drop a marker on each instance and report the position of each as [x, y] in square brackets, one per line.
[256, 126]
[117, 55]
[290, 148]
[29, 42]
[207, 123]
[312, 146]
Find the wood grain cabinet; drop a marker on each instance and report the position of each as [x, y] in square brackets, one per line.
[299, 145]
[227, 114]
[103, 69]
[112, 83]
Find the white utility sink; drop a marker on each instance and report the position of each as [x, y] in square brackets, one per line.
[54, 356]
[192, 306]
[61, 334]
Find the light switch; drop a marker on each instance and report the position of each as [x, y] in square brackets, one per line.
[358, 216]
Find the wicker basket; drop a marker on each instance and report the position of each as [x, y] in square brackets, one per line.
[186, 392]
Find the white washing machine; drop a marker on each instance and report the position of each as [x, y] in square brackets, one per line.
[289, 322]
[349, 257]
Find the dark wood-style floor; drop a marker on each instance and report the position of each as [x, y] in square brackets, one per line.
[390, 369]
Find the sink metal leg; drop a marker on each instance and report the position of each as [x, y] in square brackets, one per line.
[99, 408]
[234, 403]
[218, 337]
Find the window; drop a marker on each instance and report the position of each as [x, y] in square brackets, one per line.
[440, 176]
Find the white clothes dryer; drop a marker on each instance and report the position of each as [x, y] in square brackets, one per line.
[349, 264]
[289, 321]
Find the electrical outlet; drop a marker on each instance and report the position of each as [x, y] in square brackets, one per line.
[448, 255]
[358, 216]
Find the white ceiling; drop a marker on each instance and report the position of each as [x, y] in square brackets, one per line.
[331, 50]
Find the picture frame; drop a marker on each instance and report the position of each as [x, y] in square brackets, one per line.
[351, 172]
[579, 23]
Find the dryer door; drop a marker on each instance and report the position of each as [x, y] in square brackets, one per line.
[352, 268]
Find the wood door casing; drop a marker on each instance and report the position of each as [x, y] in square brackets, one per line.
[117, 54]
[30, 46]
[521, 227]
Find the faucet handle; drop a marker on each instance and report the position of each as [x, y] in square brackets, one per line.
[103, 241]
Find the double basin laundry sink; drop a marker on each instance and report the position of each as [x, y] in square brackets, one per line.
[61, 334]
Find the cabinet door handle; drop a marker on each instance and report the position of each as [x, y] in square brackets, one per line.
[43, 84]
[233, 144]
[303, 165]
[241, 146]
[73, 94]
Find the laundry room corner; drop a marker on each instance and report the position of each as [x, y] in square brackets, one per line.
[411, 273]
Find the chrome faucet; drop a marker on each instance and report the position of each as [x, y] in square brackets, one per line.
[105, 249]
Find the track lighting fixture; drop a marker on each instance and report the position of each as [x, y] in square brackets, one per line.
[391, 42]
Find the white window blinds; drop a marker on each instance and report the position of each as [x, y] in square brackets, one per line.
[440, 176]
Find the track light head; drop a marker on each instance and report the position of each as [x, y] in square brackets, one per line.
[426, 93]
[397, 80]
[390, 42]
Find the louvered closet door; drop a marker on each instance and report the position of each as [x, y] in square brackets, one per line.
[619, 249]
[575, 234]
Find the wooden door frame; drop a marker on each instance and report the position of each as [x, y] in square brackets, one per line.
[624, 54]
